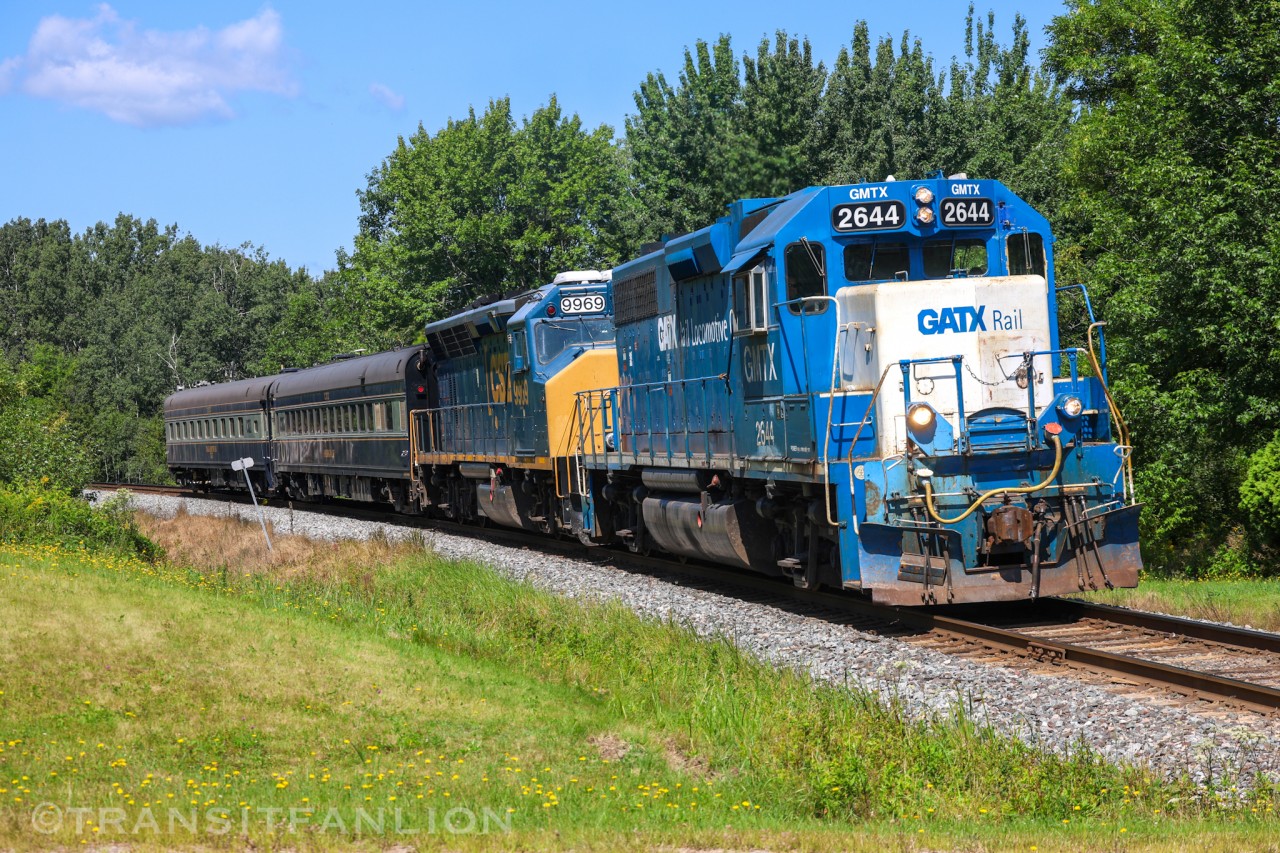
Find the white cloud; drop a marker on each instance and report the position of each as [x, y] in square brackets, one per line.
[386, 96]
[148, 78]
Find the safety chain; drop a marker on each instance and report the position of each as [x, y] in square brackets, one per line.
[1026, 363]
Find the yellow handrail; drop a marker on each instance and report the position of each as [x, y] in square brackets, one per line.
[1121, 427]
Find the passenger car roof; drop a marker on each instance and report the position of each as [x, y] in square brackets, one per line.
[223, 393]
[348, 373]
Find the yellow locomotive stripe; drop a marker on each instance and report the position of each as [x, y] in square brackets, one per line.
[535, 462]
[596, 368]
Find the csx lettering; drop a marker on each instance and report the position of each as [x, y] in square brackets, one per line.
[866, 193]
[499, 392]
[962, 318]
[966, 189]
[757, 363]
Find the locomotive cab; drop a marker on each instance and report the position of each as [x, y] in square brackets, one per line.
[495, 443]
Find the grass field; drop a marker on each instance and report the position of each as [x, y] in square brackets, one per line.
[370, 694]
[1255, 603]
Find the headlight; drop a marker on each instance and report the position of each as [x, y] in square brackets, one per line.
[924, 215]
[1071, 407]
[924, 195]
[920, 416]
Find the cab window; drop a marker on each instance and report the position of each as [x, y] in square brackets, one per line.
[751, 302]
[552, 337]
[519, 348]
[876, 261]
[1026, 254]
[955, 257]
[806, 274]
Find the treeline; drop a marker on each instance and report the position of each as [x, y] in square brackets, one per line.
[1170, 216]
[488, 204]
[1149, 136]
[99, 327]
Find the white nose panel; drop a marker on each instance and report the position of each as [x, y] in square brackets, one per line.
[989, 322]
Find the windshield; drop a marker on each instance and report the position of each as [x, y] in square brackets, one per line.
[945, 258]
[552, 337]
[878, 261]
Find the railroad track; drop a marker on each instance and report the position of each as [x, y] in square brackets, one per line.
[1133, 649]
[147, 489]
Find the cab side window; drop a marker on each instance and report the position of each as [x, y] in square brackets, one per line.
[806, 264]
[751, 302]
[519, 348]
[1026, 254]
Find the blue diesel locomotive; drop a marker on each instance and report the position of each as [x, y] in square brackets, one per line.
[857, 387]
[862, 387]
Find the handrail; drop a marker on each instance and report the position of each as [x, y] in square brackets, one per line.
[866, 418]
[641, 395]
[842, 330]
[1121, 426]
[462, 421]
[1093, 321]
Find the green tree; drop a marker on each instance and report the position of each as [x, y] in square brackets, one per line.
[685, 145]
[480, 208]
[1002, 117]
[849, 123]
[1172, 222]
[38, 438]
[781, 93]
[995, 115]
[137, 311]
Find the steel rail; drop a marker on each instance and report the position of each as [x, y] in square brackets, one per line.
[1230, 635]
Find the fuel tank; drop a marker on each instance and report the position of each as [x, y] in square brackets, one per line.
[504, 505]
[724, 532]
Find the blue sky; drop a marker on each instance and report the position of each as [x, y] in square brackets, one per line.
[243, 121]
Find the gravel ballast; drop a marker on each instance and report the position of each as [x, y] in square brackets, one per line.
[1055, 712]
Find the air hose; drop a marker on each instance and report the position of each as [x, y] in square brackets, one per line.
[1021, 490]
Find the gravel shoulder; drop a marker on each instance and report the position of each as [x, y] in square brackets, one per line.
[1055, 712]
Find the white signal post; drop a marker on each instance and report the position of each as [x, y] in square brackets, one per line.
[244, 465]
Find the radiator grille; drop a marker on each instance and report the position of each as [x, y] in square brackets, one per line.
[635, 298]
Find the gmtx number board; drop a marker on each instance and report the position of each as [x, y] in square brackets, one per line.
[869, 216]
[968, 212]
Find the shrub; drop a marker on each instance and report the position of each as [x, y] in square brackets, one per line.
[38, 437]
[39, 513]
[1260, 494]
